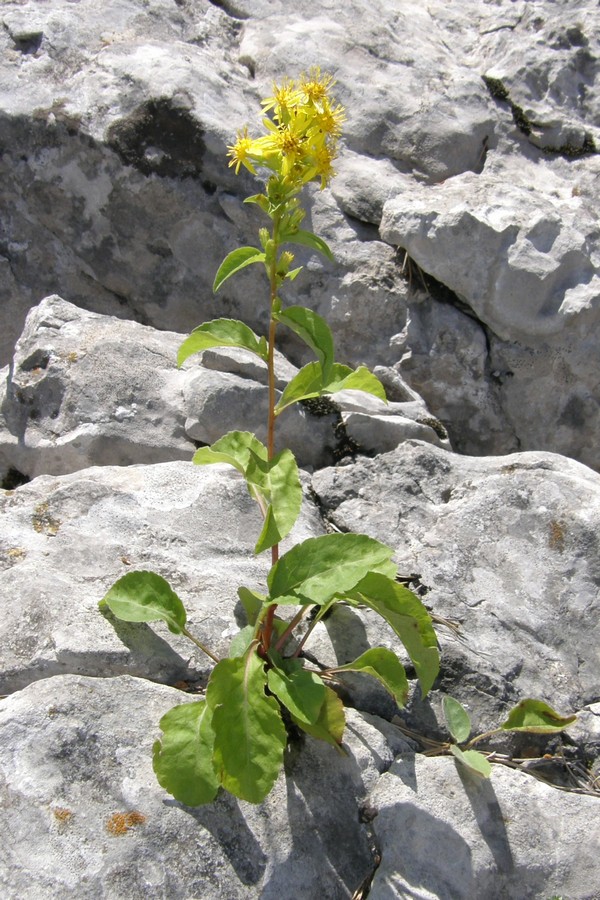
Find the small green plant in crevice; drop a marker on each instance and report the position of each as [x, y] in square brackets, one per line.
[530, 716]
[236, 737]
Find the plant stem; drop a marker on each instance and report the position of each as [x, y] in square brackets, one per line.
[297, 618]
[268, 623]
[480, 737]
[198, 644]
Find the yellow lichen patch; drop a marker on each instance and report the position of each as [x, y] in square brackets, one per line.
[62, 815]
[16, 553]
[557, 536]
[72, 357]
[43, 522]
[121, 823]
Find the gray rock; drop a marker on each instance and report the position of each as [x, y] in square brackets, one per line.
[65, 540]
[115, 124]
[79, 793]
[444, 833]
[85, 389]
[506, 550]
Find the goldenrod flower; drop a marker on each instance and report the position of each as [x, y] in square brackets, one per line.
[301, 137]
[240, 151]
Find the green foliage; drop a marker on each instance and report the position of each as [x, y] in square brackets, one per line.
[473, 760]
[183, 759]
[383, 665]
[405, 613]
[536, 717]
[310, 382]
[235, 262]
[235, 738]
[319, 568]
[457, 719]
[222, 333]
[250, 736]
[533, 716]
[273, 483]
[145, 597]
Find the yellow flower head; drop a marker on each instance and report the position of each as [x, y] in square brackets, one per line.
[241, 151]
[301, 137]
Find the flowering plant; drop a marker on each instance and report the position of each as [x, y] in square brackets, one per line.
[235, 738]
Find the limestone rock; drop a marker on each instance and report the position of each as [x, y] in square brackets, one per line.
[83, 814]
[444, 833]
[115, 124]
[65, 540]
[85, 389]
[505, 548]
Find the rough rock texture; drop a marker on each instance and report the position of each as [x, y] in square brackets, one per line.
[463, 223]
[85, 389]
[194, 526]
[83, 815]
[506, 548]
[446, 834]
[472, 130]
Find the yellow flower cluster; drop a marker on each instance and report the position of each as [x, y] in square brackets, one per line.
[301, 140]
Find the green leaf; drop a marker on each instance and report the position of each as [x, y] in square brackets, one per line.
[405, 613]
[278, 483]
[331, 722]
[241, 641]
[360, 380]
[261, 201]
[309, 383]
[301, 692]
[457, 718]
[235, 448]
[536, 717]
[252, 602]
[182, 759]
[249, 733]
[145, 597]
[383, 665]
[222, 333]
[320, 567]
[235, 261]
[314, 331]
[308, 239]
[473, 760]
[275, 484]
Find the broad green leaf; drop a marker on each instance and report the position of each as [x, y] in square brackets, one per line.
[360, 379]
[241, 641]
[537, 717]
[261, 201]
[308, 239]
[183, 758]
[222, 333]
[249, 733]
[331, 722]
[320, 567]
[383, 665]
[314, 331]
[275, 483]
[309, 383]
[306, 384]
[301, 692]
[457, 718]
[145, 597]
[278, 482]
[235, 448]
[252, 602]
[473, 760]
[235, 261]
[408, 617]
